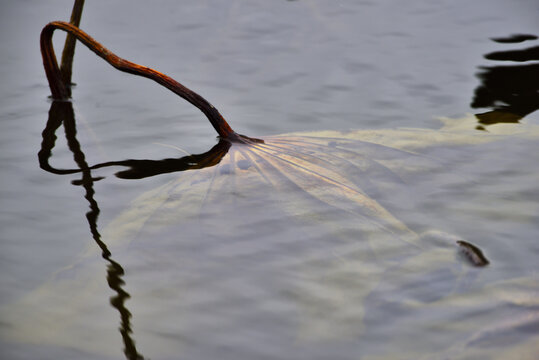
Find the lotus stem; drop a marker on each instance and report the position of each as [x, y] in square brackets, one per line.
[60, 91]
[66, 68]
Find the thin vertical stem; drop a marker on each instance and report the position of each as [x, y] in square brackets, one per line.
[66, 67]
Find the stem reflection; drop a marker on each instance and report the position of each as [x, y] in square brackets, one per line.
[61, 112]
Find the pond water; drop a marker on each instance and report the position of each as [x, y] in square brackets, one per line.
[231, 263]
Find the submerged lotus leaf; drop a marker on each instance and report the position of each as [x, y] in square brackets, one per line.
[313, 234]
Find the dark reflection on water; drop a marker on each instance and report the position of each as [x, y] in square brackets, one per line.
[516, 38]
[138, 169]
[61, 112]
[512, 91]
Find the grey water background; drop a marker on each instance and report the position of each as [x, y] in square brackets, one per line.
[270, 67]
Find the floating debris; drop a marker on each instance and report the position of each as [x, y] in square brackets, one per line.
[471, 252]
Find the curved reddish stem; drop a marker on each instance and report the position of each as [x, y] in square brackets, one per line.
[60, 91]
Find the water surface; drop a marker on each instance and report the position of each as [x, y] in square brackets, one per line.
[271, 68]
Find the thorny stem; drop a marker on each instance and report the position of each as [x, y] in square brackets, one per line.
[60, 92]
[69, 47]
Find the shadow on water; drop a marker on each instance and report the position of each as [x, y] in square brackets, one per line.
[511, 91]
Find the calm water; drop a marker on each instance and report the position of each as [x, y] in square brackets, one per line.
[252, 271]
